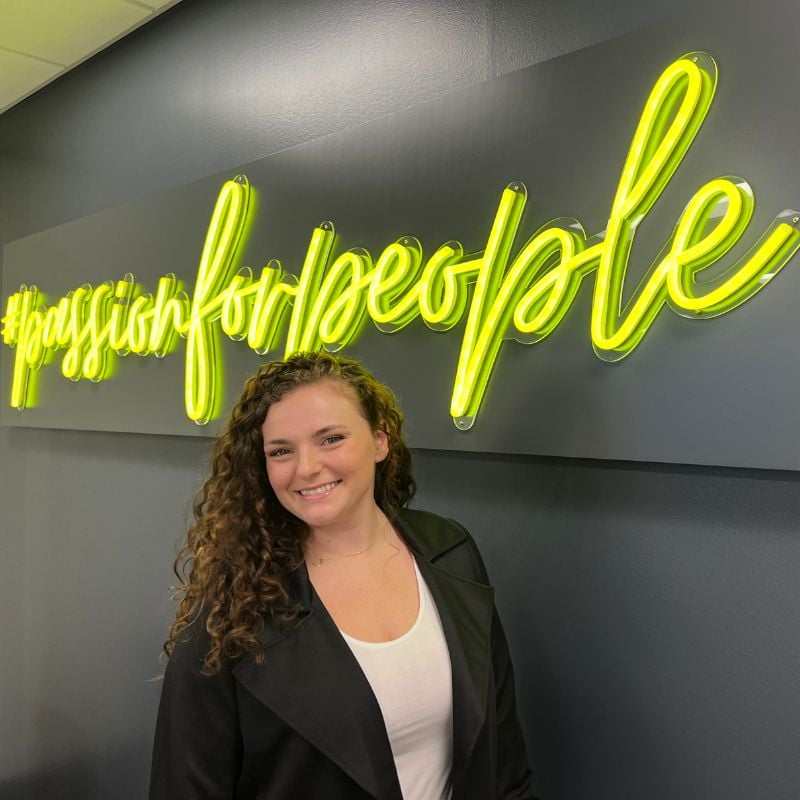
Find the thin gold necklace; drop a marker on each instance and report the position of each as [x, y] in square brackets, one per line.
[322, 556]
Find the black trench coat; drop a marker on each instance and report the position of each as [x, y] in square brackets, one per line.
[305, 723]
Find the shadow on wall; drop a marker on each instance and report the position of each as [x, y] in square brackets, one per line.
[60, 782]
[66, 762]
[57, 742]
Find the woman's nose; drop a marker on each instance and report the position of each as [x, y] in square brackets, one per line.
[307, 462]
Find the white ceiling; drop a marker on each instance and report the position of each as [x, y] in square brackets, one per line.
[42, 39]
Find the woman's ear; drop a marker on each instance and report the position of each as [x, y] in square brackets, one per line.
[381, 445]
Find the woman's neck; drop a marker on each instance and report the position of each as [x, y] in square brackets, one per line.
[347, 540]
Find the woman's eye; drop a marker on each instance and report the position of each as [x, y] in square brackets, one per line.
[277, 452]
[333, 438]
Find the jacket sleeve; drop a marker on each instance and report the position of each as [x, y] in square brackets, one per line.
[197, 748]
[513, 770]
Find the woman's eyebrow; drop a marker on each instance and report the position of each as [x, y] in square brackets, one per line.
[321, 432]
[329, 428]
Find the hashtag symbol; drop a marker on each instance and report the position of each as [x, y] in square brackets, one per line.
[11, 320]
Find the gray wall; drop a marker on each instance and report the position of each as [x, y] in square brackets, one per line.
[652, 611]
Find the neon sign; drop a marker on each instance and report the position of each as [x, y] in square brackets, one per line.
[503, 296]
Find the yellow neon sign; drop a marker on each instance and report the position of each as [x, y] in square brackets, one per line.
[522, 296]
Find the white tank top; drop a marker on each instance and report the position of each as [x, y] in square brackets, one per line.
[412, 683]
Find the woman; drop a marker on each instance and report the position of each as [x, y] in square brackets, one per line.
[330, 643]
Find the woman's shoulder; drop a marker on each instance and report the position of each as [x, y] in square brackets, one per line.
[444, 541]
[191, 645]
[438, 530]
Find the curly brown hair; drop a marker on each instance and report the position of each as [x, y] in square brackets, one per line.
[243, 542]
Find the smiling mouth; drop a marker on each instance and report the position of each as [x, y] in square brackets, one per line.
[318, 490]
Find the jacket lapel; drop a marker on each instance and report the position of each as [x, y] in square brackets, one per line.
[312, 681]
[466, 611]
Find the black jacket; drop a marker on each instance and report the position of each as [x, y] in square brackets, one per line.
[305, 723]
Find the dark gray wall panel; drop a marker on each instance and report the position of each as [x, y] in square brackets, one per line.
[87, 606]
[436, 171]
[652, 616]
[652, 611]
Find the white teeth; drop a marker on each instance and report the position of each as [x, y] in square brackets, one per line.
[319, 490]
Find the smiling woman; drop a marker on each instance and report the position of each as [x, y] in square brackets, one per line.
[329, 642]
[321, 456]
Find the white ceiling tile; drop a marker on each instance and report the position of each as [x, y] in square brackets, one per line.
[60, 32]
[21, 75]
[65, 31]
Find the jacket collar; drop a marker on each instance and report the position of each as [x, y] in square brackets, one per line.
[312, 681]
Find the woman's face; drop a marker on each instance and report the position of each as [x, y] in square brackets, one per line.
[321, 455]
